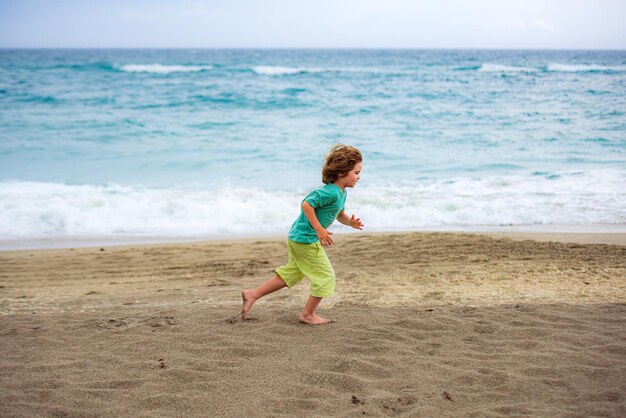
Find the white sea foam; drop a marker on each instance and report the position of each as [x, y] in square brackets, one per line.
[163, 69]
[583, 68]
[43, 210]
[57, 211]
[566, 199]
[497, 68]
[274, 70]
[271, 70]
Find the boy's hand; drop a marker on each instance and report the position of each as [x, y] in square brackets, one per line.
[324, 237]
[356, 223]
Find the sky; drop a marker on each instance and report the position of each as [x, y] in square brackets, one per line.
[508, 24]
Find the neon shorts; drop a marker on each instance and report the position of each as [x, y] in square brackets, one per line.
[308, 260]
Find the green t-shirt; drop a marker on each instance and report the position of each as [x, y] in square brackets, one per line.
[327, 201]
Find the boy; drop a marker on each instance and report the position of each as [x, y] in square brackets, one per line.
[309, 232]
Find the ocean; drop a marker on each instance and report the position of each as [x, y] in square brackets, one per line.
[115, 146]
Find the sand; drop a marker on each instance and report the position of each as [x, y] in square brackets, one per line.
[427, 324]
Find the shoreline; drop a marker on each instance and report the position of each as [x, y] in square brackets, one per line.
[374, 268]
[601, 235]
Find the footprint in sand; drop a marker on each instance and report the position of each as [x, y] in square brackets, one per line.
[127, 323]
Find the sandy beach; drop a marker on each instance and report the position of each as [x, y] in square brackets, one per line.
[427, 324]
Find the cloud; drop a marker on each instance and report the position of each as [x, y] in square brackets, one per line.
[525, 24]
[176, 13]
[542, 25]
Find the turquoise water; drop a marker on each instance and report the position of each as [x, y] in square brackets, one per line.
[199, 143]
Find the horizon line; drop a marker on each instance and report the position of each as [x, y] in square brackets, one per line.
[313, 48]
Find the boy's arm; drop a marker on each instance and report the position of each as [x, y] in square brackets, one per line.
[322, 234]
[343, 218]
[349, 221]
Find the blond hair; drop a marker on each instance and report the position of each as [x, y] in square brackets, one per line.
[341, 159]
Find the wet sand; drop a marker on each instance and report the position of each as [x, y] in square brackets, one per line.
[427, 324]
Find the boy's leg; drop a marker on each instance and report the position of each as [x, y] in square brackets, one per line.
[308, 315]
[314, 263]
[249, 296]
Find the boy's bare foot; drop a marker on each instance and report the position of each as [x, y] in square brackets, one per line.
[314, 319]
[248, 301]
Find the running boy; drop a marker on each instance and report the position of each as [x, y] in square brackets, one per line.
[309, 232]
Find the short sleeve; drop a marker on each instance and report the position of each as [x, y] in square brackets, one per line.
[320, 197]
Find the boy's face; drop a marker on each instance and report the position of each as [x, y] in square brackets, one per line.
[353, 176]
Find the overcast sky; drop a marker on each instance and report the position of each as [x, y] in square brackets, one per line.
[560, 24]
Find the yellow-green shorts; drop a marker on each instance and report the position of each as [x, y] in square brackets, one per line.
[308, 260]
